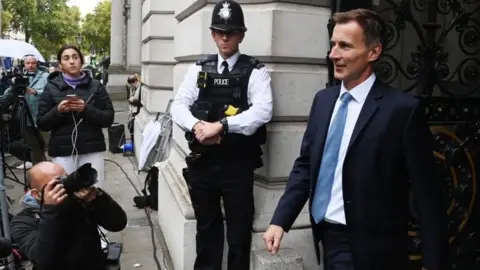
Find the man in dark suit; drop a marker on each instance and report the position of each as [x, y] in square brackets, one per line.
[364, 141]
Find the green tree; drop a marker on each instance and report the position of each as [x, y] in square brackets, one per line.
[47, 23]
[58, 26]
[6, 21]
[22, 14]
[96, 28]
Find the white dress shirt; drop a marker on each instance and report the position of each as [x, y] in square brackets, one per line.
[247, 122]
[335, 211]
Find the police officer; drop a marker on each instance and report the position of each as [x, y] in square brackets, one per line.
[223, 104]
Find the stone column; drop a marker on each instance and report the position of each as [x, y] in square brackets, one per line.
[116, 38]
[134, 37]
[117, 75]
[157, 61]
[276, 31]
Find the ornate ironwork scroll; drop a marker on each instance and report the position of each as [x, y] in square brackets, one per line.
[445, 35]
[456, 165]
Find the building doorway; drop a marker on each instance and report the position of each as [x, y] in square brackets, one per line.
[432, 51]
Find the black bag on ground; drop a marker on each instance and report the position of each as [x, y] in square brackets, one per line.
[116, 138]
[150, 191]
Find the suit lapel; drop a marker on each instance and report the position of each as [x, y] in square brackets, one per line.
[368, 110]
[325, 108]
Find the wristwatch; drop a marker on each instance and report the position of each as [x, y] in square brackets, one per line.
[224, 123]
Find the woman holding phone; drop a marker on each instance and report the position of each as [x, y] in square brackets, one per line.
[75, 108]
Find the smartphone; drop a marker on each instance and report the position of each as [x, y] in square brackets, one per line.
[72, 97]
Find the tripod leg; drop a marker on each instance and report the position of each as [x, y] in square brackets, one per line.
[4, 204]
[23, 105]
[5, 166]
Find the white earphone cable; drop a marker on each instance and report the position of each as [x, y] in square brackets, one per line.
[74, 136]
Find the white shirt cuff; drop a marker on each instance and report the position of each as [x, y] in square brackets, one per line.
[190, 123]
[233, 124]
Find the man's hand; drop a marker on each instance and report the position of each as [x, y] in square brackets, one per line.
[76, 105]
[87, 194]
[272, 238]
[31, 91]
[207, 130]
[54, 193]
[130, 100]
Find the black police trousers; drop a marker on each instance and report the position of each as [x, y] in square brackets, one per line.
[211, 180]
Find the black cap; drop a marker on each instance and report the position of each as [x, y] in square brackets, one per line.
[228, 16]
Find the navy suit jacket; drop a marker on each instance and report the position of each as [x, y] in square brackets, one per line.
[390, 145]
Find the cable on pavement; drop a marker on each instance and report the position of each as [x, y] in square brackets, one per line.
[149, 218]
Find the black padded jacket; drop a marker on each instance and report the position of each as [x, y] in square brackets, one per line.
[98, 114]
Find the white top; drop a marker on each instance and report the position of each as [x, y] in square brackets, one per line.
[335, 211]
[247, 122]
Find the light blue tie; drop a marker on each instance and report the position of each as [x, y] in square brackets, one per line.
[326, 174]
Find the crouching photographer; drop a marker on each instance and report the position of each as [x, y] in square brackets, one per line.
[58, 229]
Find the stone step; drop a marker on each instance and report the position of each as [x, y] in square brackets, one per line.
[285, 259]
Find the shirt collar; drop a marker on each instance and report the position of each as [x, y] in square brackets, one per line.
[360, 92]
[232, 60]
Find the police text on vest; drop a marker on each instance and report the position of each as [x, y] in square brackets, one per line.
[221, 82]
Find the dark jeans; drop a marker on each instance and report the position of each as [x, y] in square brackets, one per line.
[31, 149]
[210, 181]
[336, 248]
[36, 142]
[131, 125]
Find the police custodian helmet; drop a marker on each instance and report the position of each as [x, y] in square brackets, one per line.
[227, 16]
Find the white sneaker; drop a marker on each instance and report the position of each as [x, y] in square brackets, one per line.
[27, 165]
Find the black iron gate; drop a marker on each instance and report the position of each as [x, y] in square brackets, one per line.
[433, 51]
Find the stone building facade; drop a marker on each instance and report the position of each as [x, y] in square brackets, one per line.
[164, 38]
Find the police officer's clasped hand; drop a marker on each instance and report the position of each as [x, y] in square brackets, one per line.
[213, 140]
[207, 133]
[54, 193]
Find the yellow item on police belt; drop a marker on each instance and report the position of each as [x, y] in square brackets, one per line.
[230, 111]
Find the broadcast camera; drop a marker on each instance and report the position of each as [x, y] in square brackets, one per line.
[83, 177]
[20, 82]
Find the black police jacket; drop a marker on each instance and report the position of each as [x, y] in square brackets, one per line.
[65, 236]
[98, 114]
[218, 93]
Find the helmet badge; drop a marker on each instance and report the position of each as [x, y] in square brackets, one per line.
[225, 12]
